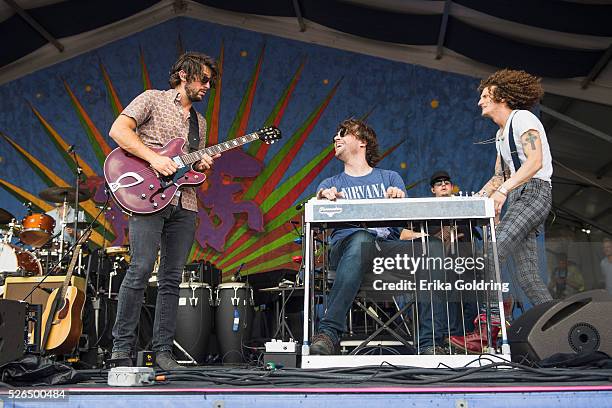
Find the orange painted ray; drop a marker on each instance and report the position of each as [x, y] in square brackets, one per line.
[146, 80]
[24, 196]
[212, 110]
[51, 179]
[243, 113]
[259, 149]
[98, 143]
[113, 97]
[47, 176]
[265, 183]
[258, 240]
[62, 145]
[266, 252]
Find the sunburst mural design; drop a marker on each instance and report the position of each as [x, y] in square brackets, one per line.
[246, 210]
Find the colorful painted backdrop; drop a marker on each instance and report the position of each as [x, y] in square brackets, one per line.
[425, 120]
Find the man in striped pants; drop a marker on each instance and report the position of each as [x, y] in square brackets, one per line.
[522, 178]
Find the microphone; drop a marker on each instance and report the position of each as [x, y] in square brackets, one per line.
[71, 148]
[237, 277]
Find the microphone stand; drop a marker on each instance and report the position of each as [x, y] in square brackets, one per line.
[79, 172]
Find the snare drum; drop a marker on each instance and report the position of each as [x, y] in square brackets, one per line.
[17, 260]
[194, 319]
[36, 229]
[233, 318]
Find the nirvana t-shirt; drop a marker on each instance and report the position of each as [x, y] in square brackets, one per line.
[372, 185]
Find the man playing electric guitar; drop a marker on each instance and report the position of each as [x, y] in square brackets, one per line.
[151, 120]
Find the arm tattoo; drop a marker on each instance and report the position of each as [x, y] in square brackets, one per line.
[529, 138]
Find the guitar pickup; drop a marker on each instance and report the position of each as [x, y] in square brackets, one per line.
[178, 161]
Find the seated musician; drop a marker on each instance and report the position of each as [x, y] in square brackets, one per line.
[357, 147]
[433, 331]
[63, 214]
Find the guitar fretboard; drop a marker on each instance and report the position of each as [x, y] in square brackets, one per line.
[219, 148]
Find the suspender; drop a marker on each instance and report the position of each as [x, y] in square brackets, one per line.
[513, 152]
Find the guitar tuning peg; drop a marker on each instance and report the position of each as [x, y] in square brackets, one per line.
[473, 194]
[460, 193]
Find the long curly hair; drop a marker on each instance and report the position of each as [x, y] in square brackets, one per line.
[364, 133]
[518, 89]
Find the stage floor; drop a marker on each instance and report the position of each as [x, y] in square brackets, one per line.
[183, 393]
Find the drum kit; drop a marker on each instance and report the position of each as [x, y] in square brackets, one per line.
[32, 246]
[39, 243]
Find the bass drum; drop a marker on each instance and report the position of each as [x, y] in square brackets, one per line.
[18, 261]
[233, 319]
[194, 319]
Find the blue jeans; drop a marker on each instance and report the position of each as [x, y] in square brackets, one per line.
[172, 230]
[345, 258]
[438, 314]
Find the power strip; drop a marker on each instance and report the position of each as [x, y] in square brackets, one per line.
[131, 376]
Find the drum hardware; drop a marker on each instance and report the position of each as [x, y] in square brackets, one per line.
[12, 227]
[118, 270]
[282, 327]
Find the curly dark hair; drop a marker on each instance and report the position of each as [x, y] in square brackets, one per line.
[192, 63]
[364, 133]
[518, 89]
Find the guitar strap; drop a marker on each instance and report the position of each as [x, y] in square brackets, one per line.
[194, 131]
[513, 152]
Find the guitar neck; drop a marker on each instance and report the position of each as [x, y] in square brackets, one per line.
[73, 260]
[219, 148]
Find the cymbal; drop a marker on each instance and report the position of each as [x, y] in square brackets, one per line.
[5, 216]
[59, 194]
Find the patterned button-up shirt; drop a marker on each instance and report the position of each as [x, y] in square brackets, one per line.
[159, 118]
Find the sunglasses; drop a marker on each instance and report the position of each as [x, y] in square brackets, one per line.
[204, 79]
[441, 183]
[341, 133]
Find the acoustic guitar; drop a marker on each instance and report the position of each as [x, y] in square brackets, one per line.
[61, 321]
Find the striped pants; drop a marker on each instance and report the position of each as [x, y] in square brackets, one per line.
[528, 207]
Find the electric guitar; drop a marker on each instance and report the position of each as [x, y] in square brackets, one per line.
[61, 321]
[138, 188]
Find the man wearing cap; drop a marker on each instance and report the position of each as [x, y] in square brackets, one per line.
[431, 337]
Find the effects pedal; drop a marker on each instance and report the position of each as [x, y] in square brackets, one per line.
[279, 346]
[281, 354]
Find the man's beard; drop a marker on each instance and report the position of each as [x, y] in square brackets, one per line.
[192, 94]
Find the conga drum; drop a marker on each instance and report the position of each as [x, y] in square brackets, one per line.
[194, 319]
[233, 319]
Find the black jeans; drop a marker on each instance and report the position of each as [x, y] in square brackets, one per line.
[172, 230]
